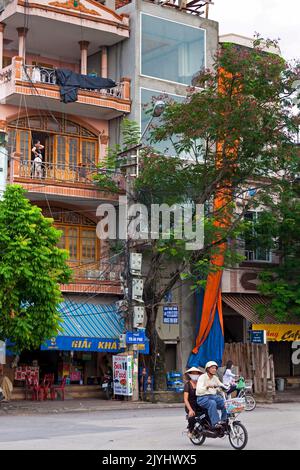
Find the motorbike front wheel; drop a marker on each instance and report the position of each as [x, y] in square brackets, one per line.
[238, 436]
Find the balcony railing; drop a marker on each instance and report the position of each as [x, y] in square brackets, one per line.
[258, 255]
[63, 173]
[57, 172]
[35, 74]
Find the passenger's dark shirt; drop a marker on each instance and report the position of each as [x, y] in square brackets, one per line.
[192, 396]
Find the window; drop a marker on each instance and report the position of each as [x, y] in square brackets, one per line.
[252, 251]
[148, 97]
[81, 243]
[171, 51]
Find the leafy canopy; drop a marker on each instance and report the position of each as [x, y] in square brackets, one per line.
[31, 269]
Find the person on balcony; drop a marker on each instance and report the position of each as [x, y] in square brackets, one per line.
[37, 165]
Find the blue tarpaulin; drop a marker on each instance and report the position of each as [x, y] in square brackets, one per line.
[213, 347]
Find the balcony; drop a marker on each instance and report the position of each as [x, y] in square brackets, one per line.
[99, 277]
[63, 180]
[39, 87]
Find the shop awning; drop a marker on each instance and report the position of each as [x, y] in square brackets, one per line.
[87, 327]
[244, 304]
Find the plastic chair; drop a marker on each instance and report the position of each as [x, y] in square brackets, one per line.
[32, 385]
[46, 385]
[61, 388]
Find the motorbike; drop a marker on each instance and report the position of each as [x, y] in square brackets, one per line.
[245, 391]
[232, 427]
[107, 386]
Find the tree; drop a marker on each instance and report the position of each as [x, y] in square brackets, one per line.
[31, 269]
[278, 229]
[232, 134]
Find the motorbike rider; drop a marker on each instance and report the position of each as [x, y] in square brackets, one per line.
[207, 397]
[189, 396]
[229, 378]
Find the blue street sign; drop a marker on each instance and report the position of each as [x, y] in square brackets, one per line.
[171, 314]
[135, 337]
[258, 336]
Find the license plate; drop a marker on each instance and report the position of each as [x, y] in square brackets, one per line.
[104, 385]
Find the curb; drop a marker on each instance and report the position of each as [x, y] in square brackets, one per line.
[41, 411]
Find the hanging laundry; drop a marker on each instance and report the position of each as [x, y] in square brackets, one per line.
[70, 82]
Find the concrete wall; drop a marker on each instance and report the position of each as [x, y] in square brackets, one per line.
[124, 58]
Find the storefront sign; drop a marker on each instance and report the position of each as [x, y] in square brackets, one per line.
[123, 374]
[171, 314]
[280, 332]
[135, 337]
[258, 337]
[69, 343]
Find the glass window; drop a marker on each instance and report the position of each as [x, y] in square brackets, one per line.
[148, 98]
[88, 152]
[171, 51]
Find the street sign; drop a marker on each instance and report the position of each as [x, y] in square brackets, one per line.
[171, 314]
[258, 336]
[135, 337]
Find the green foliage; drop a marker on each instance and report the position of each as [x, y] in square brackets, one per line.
[31, 269]
[278, 229]
[106, 175]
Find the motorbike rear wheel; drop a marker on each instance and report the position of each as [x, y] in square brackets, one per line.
[250, 402]
[238, 436]
[198, 440]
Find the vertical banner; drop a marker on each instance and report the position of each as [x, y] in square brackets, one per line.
[123, 375]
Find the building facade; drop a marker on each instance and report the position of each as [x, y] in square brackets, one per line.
[36, 40]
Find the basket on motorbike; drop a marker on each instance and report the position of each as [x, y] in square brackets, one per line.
[235, 405]
[248, 384]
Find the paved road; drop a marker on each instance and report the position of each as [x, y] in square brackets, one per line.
[270, 427]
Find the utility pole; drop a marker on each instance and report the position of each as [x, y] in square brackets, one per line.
[133, 289]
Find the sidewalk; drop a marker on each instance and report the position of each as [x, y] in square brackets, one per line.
[22, 407]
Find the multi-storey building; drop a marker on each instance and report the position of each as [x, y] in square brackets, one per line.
[35, 40]
[169, 43]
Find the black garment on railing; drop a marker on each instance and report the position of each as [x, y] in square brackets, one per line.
[70, 82]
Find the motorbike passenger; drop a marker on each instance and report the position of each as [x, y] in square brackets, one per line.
[189, 397]
[206, 391]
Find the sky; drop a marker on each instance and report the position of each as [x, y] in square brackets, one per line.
[271, 18]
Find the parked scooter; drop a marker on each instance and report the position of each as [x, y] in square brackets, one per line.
[107, 386]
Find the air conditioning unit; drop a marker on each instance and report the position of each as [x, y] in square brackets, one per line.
[95, 274]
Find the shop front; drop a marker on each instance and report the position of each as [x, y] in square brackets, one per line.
[81, 352]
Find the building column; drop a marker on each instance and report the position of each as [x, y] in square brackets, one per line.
[84, 54]
[22, 36]
[2, 27]
[104, 70]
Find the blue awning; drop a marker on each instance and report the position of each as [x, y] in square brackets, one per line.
[87, 327]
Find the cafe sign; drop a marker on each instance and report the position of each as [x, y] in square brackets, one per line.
[280, 332]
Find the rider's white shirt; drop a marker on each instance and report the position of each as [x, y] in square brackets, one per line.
[228, 377]
[204, 381]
